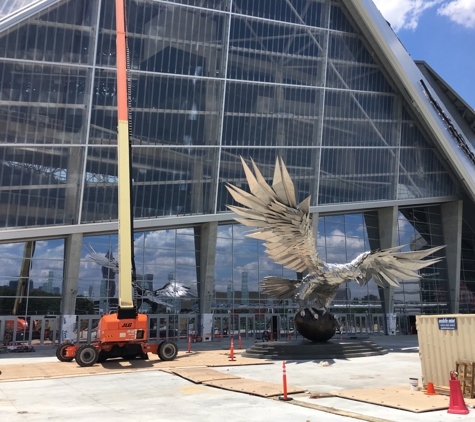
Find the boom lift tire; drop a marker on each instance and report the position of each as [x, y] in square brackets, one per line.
[167, 350]
[61, 351]
[86, 355]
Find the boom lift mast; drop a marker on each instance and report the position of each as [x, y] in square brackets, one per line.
[125, 333]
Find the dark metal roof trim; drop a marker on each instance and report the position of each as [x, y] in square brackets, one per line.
[462, 143]
[465, 110]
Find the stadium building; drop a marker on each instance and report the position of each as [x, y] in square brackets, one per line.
[384, 146]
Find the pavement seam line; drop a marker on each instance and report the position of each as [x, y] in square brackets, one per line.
[335, 411]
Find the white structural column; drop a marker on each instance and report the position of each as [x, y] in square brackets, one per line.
[387, 222]
[207, 257]
[452, 228]
[72, 263]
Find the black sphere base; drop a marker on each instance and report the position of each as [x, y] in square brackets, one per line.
[316, 330]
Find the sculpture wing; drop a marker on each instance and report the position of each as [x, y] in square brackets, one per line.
[102, 260]
[386, 266]
[279, 288]
[285, 227]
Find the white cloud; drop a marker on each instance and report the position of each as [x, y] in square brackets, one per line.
[404, 14]
[460, 11]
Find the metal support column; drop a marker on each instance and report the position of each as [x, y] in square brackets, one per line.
[451, 214]
[72, 262]
[205, 260]
[387, 222]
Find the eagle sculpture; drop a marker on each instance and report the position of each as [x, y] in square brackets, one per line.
[287, 231]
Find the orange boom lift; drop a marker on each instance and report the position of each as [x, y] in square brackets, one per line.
[125, 333]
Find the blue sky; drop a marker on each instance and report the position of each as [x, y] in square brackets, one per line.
[440, 32]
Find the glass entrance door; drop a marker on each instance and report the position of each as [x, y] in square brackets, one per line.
[247, 326]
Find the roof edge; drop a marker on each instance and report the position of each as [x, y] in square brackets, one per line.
[408, 75]
[445, 83]
[25, 13]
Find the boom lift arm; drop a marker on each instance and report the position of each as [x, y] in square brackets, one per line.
[123, 334]
[126, 238]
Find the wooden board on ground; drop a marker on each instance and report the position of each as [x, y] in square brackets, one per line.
[44, 370]
[399, 397]
[199, 375]
[257, 388]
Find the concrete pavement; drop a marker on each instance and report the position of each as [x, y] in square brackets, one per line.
[157, 395]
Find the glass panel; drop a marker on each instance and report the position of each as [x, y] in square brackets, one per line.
[244, 247]
[297, 161]
[224, 232]
[339, 21]
[358, 77]
[420, 228]
[158, 262]
[348, 48]
[166, 182]
[425, 182]
[467, 270]
[349, 175]
[39, 186]
[304, 12]
[411, 136]
[38, 290]
[240, 264]
[165, 110]
[270, 115]
[168, 39]
[61, 34]
[42, 103]
[206, 4]
[358, 106]
[186, 242]
[270, 52]
[358, 132]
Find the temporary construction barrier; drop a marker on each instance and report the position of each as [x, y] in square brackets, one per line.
[457, 403]
[444, 340]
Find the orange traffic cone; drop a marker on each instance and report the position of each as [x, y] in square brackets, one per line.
[430, 389]
[457, 403]
[231, 351]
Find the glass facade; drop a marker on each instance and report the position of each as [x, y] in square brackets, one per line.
[31, 281]
[209, 81]
[161, 257]
[421, 228]
[467, 272]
